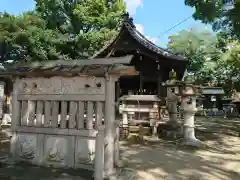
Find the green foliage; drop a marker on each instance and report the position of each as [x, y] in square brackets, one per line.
[59, 29]
[231, 58]
[211, 57]
[89, 23]
[200, 49]
[211, 11]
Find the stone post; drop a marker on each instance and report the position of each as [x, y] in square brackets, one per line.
[188, 106]
[172, 101]
[110, 130]
[124, 115]
[117, 146]
[2, 85]
[99, 155]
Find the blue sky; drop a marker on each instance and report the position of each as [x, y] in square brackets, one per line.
[152, 17]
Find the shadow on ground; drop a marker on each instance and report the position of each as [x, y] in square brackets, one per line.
[23, 171]
[166, 160]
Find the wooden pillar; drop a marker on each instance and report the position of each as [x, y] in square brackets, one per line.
[110, 130]
[117, 90]
[159, 91]
[141, 83]
[159, 86]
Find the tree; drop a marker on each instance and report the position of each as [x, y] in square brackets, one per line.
[58, 29]
[199, 47]
[209, 11]
[89, 23]
[231, 59]
[26, 37]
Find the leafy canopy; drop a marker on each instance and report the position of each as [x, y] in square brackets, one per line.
[58, 29]
[211, 11]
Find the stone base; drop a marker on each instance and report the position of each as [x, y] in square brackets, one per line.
[54, 150]
[192, 142]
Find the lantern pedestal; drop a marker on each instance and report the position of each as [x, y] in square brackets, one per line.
[188, 106]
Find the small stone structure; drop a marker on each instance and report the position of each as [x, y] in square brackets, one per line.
[187, 92]
[172, 99]
[58, 113]
[139, 110]
[188, 107]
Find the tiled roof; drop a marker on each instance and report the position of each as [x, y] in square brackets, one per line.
[128, 24]
[96, 67]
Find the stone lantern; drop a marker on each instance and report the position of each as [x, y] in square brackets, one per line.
[189, 108]
[173, 91]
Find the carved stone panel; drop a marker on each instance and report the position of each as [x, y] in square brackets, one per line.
[85, 151]
[26, 147]
[62, 85]
[56, 150]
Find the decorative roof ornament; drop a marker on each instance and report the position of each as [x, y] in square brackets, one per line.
[185, 74]
[128, 19]
[172, 78]
[172, 75]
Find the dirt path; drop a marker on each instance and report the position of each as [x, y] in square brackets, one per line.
[163, 160]
[168, 161]
[159, 162]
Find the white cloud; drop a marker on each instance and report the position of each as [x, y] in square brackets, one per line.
[132, 5]
[152, 39]
[140, 28]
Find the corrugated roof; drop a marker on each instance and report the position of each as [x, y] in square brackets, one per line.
[213, 91]
[140, 98]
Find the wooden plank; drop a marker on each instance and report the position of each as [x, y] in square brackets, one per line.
[31, 111]
[63, 121]
[89, 115]
[72, 114]
[55, 111]
[47, 113]
[39, 113]
[61, 97]
[57, 131]
[80, 117]
[99, 115]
